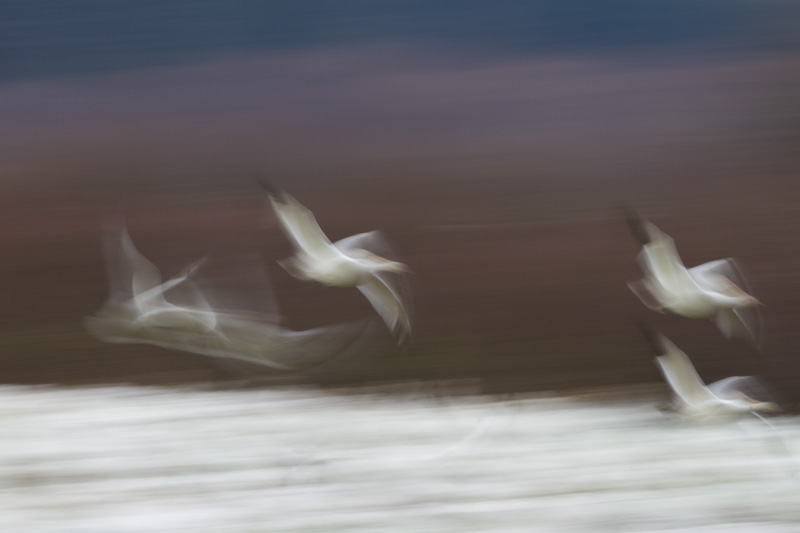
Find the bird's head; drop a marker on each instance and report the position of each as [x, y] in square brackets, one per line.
[733, 290]
[767, 407]
[759, 406]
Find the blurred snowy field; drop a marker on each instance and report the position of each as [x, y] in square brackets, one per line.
[137, 459]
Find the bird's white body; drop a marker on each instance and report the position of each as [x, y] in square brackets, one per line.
[338, 270]
[346, 263]
[705, 291]
[696, 401]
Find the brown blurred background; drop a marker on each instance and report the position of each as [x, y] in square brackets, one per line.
[499, 175]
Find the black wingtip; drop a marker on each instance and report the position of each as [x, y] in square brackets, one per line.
[636, 225]
[115, 227]
[652, 337]
[113, 218]
[269, 186]
[404, 338]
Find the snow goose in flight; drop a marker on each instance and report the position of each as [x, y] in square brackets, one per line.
[194, 315]
[705, 291]
[693, 399]
[152, 308]
[345, 263]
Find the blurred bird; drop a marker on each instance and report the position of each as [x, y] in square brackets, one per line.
[705, 291]
[184, 314]
[153, 308]
[692, 398]
[346, 263]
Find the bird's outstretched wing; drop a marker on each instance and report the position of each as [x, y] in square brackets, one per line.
[648, 293]
[301, 227]
[682, 376]
[741, 322]
[711, 275]
[389, 293]
[132, 272]
[733, 387]
[372, 241]
[388, 304]
[660, 258]
[637, 226]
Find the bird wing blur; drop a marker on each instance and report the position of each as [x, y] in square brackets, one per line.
[387, 304]
[389, 293]
[661, 260]
[134, 274]
[665, 279]
[682, 377]
[372, 241]
[302, 228]
[316, 253]
[648, 294]
[141, 280]
[735, 386]
[740, 322]
[238, 334]
[715, 290]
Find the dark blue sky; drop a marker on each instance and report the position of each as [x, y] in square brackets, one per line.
[44, 38]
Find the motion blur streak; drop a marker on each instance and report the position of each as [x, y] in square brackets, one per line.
[188, 313]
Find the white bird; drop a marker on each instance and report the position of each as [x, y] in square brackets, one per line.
[693, 399]
[148, 292]
[705, 291]
[346, 263]
[178, 315]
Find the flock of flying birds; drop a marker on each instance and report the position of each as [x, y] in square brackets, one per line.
[187, 313]
[706, 291]
[183, 314]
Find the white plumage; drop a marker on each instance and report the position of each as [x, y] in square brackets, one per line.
[705, 291]
[149, 296]
[346, 263]
[693, 399]
[183, 315]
